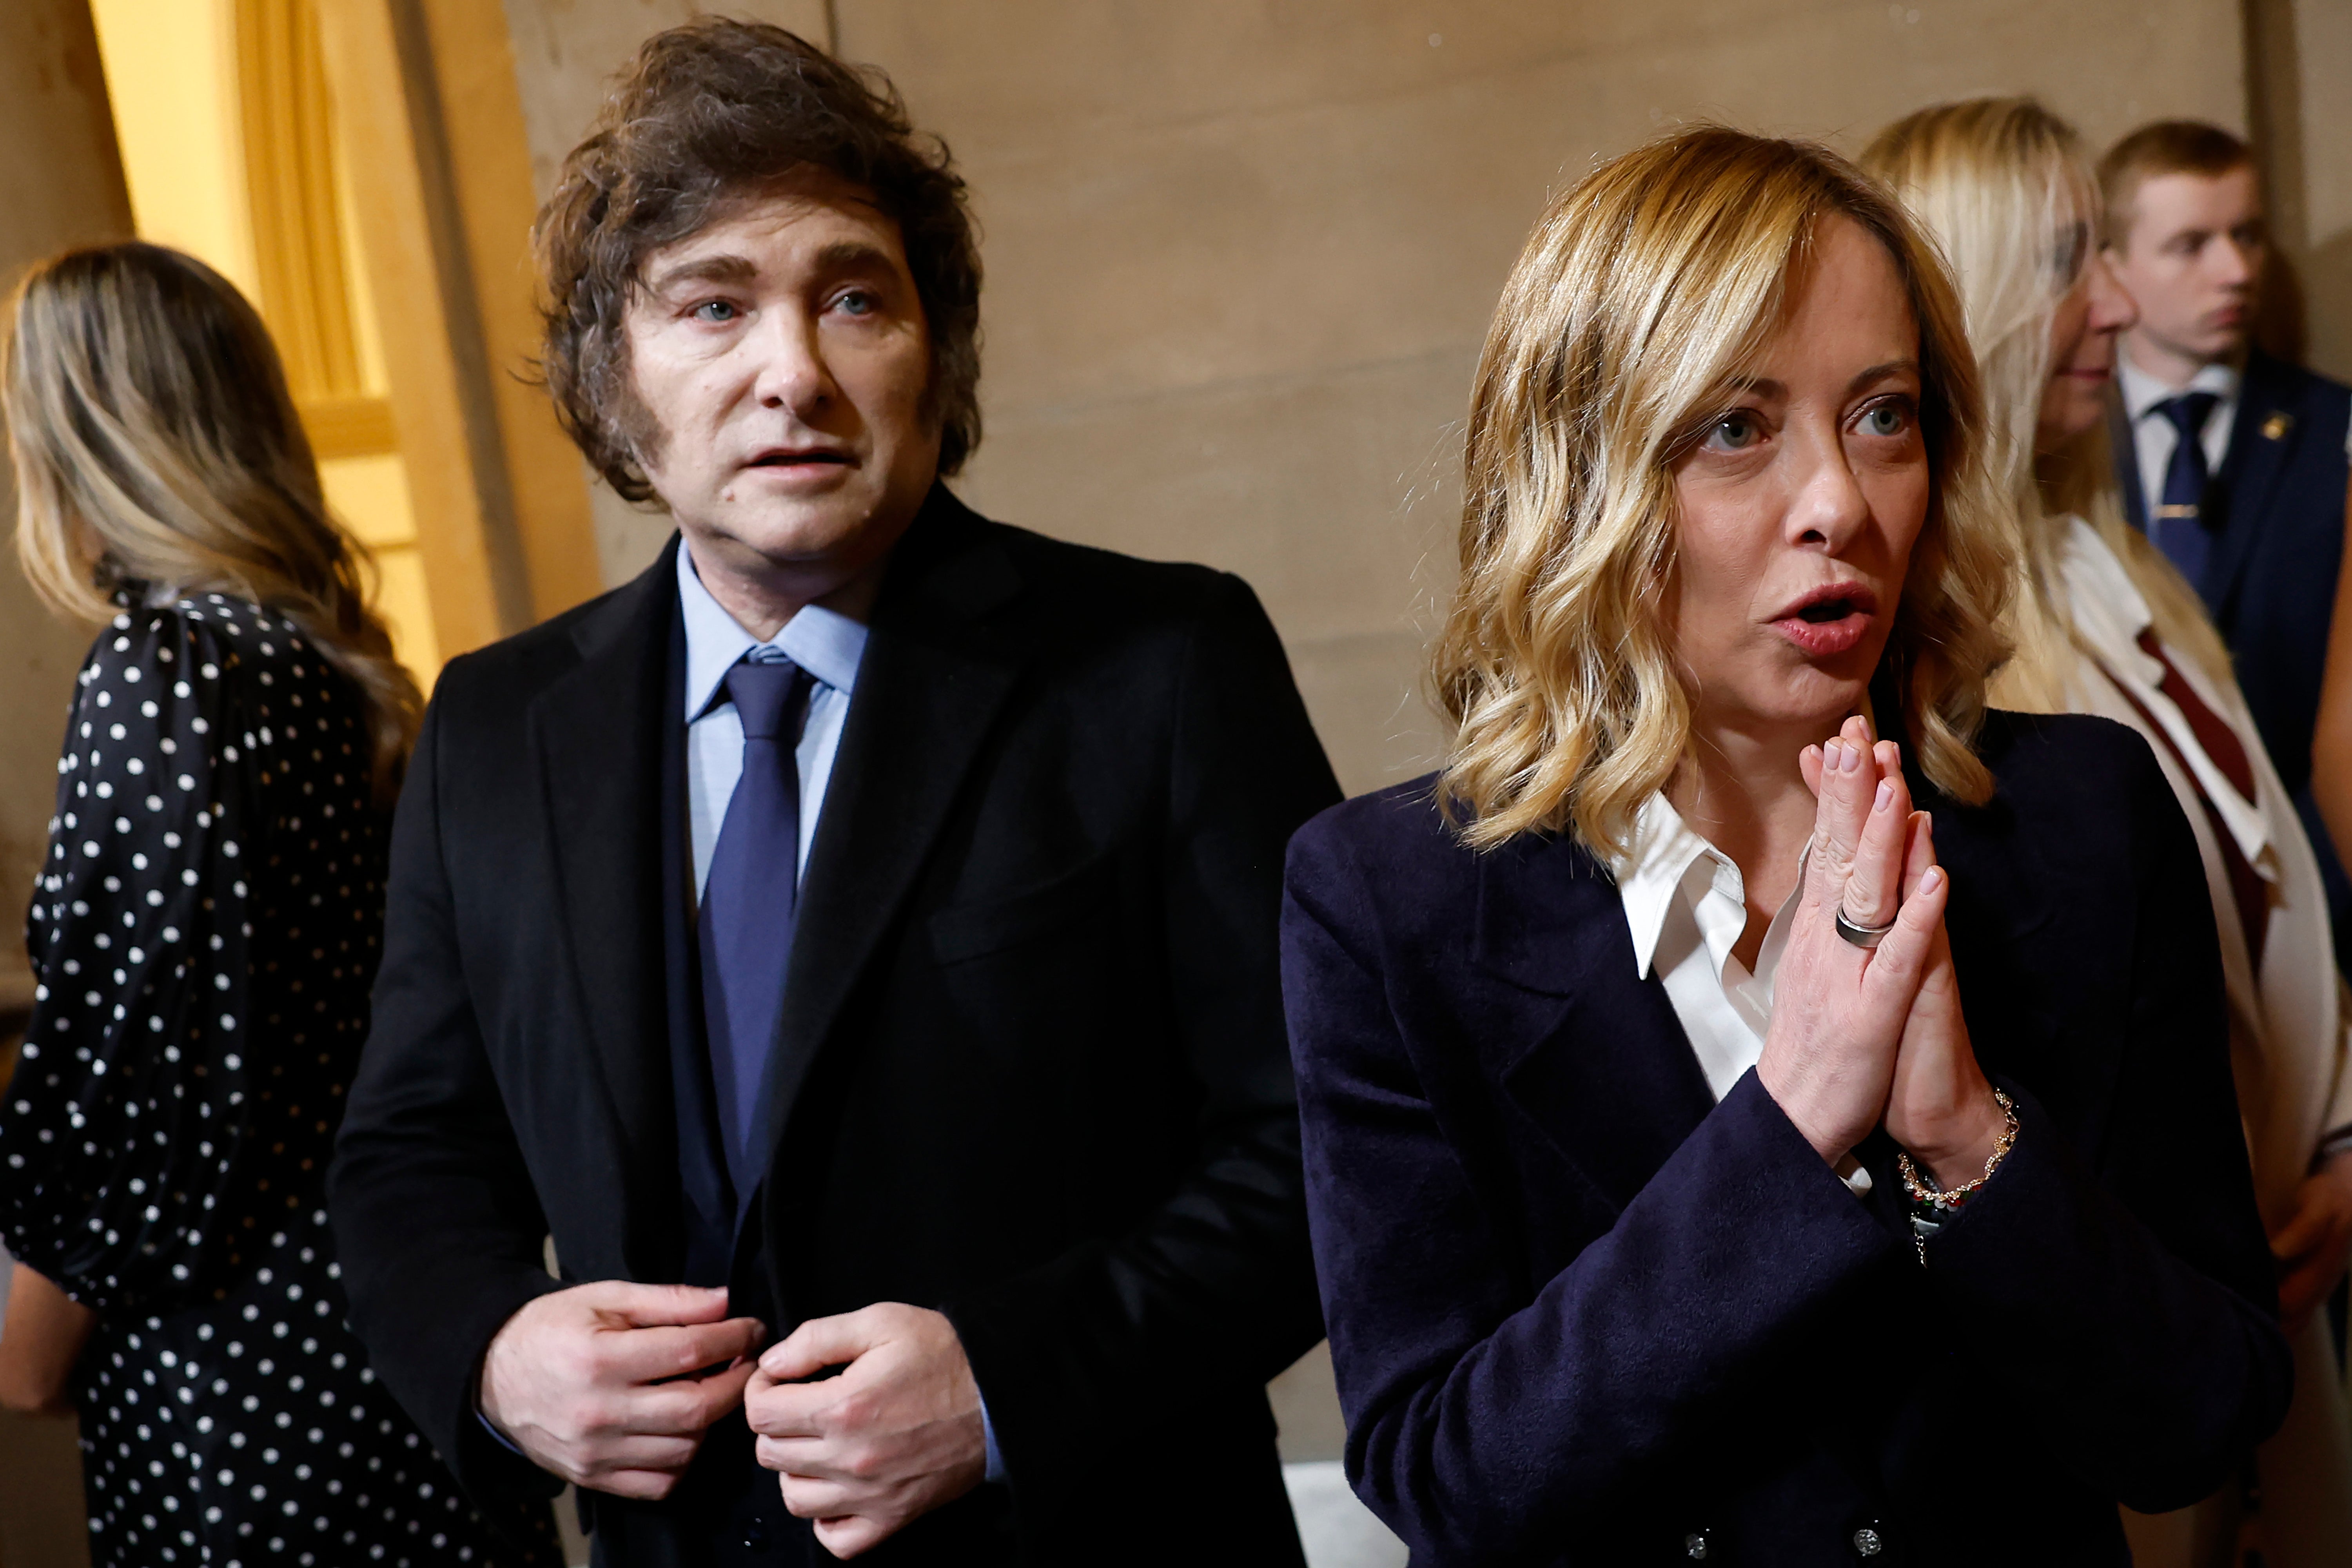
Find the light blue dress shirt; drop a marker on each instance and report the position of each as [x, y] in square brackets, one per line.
[827, 645]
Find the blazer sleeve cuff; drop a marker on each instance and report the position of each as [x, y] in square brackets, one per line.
[493, 1472]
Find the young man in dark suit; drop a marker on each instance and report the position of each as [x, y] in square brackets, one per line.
[2232, 461]
[860, 926]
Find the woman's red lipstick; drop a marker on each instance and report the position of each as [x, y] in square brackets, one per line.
[1829, 621]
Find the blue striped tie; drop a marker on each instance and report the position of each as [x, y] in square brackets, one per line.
[749, 902]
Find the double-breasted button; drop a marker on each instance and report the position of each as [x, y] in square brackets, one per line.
[1870, 1539]
[1700, 1546]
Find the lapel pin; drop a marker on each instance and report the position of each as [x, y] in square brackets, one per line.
[2275, 427]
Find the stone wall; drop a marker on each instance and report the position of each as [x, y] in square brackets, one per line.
[60, 184]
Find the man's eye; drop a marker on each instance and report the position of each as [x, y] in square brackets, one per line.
[1735, 433]
[858, 302]
[715, 311]
[1886, 419]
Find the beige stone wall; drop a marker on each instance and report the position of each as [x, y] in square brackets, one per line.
[60, 185]
[2303, 81]
[1241, 256]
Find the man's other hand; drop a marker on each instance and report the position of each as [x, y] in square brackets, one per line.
[896, 1433]
[593, 1383]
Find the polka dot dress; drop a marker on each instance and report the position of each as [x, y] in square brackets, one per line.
[204, 933]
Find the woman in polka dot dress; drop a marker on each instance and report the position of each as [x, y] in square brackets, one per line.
[204, 933]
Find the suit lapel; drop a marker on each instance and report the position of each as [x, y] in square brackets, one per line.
[2264, 437]
[596, 733]
[1609, 1075]
[939, 662]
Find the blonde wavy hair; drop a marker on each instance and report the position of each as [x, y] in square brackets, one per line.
[1638, 301]
[2004, 186]
[156, 446]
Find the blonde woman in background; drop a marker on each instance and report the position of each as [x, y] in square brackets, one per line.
[203, 934]
[2103, 625]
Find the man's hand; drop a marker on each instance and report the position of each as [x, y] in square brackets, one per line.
[896, 1434]
[2313, 1243]
[593, 1383]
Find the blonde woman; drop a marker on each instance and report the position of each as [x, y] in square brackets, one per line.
[1709, 1157]
[2104, 625]
[204, 933]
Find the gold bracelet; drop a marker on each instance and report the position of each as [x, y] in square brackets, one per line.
[1923, 1191]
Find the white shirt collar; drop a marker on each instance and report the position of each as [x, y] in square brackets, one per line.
[2109, 615]
[826, 643]
[2143, 391]
[1648, 879]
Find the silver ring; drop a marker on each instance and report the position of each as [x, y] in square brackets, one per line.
[1861, 936]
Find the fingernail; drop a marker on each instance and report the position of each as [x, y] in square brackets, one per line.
[1885, 796]
[1933, 880]
[1853, 759]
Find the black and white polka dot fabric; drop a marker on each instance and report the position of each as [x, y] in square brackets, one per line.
[203, 934]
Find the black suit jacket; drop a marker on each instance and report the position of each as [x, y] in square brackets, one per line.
[1584, 1314]
[1030, 1071]
[2277, 509]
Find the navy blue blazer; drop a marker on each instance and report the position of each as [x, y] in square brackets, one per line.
[1582, 1313]
[2278, 506]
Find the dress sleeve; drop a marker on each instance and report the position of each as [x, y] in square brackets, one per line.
[130, 1105]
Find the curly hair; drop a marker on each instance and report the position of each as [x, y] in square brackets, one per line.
[706, 114]
[1635, 304]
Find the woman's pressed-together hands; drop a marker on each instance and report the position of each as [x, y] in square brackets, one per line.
[1862, 1036]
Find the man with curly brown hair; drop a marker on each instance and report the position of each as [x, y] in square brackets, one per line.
[852, 941]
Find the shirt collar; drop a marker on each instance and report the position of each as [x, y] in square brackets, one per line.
[2143, 391]
[2103, 600]
[826, 643]
[1648, 879]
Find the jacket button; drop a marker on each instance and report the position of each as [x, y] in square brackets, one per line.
[1870, 1541]
[1700, 1546]
[755, 1534]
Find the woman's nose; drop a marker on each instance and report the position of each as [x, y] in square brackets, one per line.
[2113, 309]
[1829, 505]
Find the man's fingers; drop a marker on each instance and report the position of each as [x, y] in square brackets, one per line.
[643, 1486]
[853, 1536]
[818, 1343]
[811, 1458]
[632, 1305]
[690, 1405]
[652, 1354]
[789, 1409]
[820, 1497]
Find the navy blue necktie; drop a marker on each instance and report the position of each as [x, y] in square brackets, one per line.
[2178, 524]
[748, 904]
